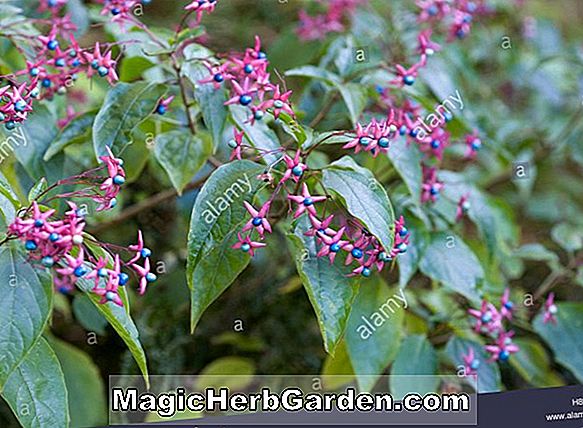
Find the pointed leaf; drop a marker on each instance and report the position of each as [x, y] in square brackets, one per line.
[126, 105]
[330, 291]
[259, 135]
[36, 390]
[417, 358]
[27, 294]
[182, 156]
[217, 215]
[374, 331]
[364, 197]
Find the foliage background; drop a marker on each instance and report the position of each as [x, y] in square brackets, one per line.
[527, 101]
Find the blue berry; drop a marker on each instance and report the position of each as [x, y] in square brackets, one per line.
[146, 2]
[80, 271]
[103, 71]
[403, 232]
[30, 245]
[434, 190]
[39, 223]
[35, 93]
[10, 125]
[335, 247]
[384, 142]
[20, 105]
[34, 71]
[509, 305]
[245, 100]
[475, 364]
[161, 109]
[119, 180]
[232, 144]
[356, 253]
[402, 247]
[145, 253]
[257, 221]
[73, 53]
[413, 133]
[54, 237]
[466, 206]
[487, 317]
[150, 277]
[278, 104]
[60, 62]
[218, 78]
[258, 115]
[248, 68]
[408, 80]
[297, 171]
[46, 83]
[123, 279]
[432, 10]
[113, 203]
[448, 116]
[460, 34]
[47, 262]
[476, 145]
[261, 55]
[95, 64]
[110, 296]
[75, 63]
[308, 202]
[504, 355]
[402, 130]
[2, 117]
[115, 11]
[435, 144]
[366, 272]
[102, 272]
[245, 247]
[365, 141]
[52, 45]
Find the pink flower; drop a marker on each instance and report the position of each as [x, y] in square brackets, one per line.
[259, 218]
[471, 363]
[463, 206]
[426, 46]
[320, 227]
[102, 64]
[236, 144]
[507, 307]
[279, 102]
[431, 186]
[145, 275]
[473, 145]
[550, 314]
[362, 140]
[503, 347]
[201, 7]
[305, 202]
[295, 168]
[405, 76]
[488, 318]
[332, 244]
[247, 245]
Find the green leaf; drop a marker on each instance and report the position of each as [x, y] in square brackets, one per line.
[337, 370]
[87, 402]
[182, 156]
[330, 291]
[210, 100]
[121, 322]
[76, 131]
[234, 373]
[217, 215]
[417, 363]
[30, 140]
[449, 260]
[409, 261]
[126, 105]
[36, 390]
[355, 97]
[533, 364]
[314, 73]
[564, 338]
[488, 373]
[374, 330]
[331, 137]
[27, 295]
[88, 315]
[40, 187]
[568, 236]
[259, 135]
[407, 161]
[364, 197]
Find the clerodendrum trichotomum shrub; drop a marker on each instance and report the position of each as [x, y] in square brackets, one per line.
[412, 164]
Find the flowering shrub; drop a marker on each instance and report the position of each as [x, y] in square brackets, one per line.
[363, 148]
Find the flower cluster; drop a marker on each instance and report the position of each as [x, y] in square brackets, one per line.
[53, 65]
[490, 322]
[332, 20]
[61, 244]
[200, 7]
[359, 245]
[248, 80]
